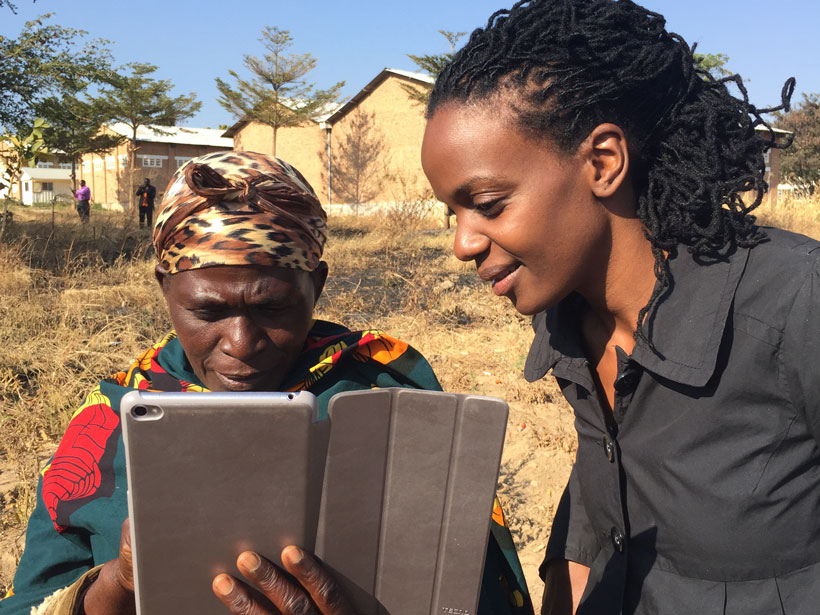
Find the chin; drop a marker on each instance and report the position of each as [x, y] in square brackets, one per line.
[530, 306]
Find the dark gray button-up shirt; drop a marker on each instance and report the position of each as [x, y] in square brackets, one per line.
[700, 492]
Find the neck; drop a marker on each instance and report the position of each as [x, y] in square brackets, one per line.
[623, 282]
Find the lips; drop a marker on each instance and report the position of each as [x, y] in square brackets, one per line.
[242, 382]
[501, 277]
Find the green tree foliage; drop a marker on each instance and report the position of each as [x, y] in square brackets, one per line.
[45, 60]
[135, 98]
[11, 6]
[800, 163]
[74, 129]
[17, 152]
[277, 94]
[358, 163]
[432, 64]
[715, 63]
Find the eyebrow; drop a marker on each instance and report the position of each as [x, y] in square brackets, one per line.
[464, 190]
[208, 298]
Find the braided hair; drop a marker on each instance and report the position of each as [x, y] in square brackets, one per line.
[575, 64]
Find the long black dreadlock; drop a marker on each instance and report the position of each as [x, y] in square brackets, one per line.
[579, 63]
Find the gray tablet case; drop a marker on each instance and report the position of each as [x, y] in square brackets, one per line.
[407, 497]
[256, 486]
[406, 486]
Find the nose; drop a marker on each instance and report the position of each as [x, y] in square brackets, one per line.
[469, 243]
[243, 338]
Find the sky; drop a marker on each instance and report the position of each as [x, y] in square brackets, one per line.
[192, 43]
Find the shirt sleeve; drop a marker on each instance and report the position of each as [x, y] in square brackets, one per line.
[572, 537]
[801, 348]
[51, 561]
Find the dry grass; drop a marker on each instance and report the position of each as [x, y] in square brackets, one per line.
[77, 303]
[799, 215]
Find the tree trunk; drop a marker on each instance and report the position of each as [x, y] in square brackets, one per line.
[132, 159]
[274, 141]
[5, 215]
[73, 175]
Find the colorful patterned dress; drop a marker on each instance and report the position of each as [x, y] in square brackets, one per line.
[81, 498]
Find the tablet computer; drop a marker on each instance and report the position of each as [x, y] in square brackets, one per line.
[393, 493]
[211, 475]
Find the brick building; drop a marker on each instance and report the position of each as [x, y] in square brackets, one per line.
[157, 157]
[398, 118]
[298, 145]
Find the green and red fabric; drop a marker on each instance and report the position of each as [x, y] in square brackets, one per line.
[81, 498]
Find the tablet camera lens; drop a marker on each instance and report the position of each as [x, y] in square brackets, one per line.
[290, 395]
[140, 410]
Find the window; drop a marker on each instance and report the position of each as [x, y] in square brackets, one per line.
[26, 186]
[65, 165]
[123, 161]
[47, 186]
[110, 162]
[98, 164]
[45, 165]
[151, 162]
[181, 160]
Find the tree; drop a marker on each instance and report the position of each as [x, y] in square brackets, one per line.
[74, 129]
[715, 63]
[432, 64]
[277, 94]
[19, 151]
[801, 162]
[45, 60]
[11, 6]
[137, 99]
[358, 164]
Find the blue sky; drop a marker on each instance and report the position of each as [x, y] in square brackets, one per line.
[194, 42]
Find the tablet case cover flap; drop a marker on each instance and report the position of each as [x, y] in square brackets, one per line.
[407, 497]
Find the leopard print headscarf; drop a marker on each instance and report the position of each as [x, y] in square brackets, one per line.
[239, 208]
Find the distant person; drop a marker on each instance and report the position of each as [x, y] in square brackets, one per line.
[146, 193]
[83, 196]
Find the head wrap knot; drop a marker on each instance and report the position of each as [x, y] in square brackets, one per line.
[239, 208]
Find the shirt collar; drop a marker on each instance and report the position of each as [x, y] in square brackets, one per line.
[685, 327]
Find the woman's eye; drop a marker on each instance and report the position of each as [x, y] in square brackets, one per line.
[271, 309]
[209, 315]
[487, 207]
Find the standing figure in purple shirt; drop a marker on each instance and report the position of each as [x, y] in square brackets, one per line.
[83, 196]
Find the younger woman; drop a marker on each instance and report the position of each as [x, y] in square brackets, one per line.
[600, 182]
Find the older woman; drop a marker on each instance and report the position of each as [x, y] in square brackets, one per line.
[239, 239]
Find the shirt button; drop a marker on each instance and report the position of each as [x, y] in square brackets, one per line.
[617, 539]
[627, 380]
[609, 449]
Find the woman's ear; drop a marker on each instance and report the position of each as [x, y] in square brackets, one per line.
[605, 150]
